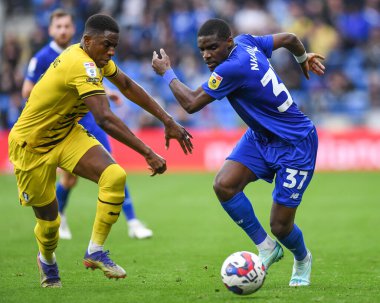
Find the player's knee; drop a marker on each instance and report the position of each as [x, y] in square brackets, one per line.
[223, 188]
[111, 184]
[46, 230]
[280, 229]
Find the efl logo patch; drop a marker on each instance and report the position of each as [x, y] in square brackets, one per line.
[90, 69]
[89, 64]
[214, 81]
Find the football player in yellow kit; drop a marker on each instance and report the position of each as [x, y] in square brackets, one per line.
[47, 136]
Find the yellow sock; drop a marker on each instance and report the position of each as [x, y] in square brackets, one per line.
[111, 198]
[106, 216]
[47, 235]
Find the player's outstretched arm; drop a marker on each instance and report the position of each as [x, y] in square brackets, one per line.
[190, 100]
[308, 61]
[138, 95]
[112, 125]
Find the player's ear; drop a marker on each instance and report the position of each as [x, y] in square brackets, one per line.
[230, 41]
[86, 40]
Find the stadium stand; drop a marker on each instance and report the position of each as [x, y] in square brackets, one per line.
[347, 32]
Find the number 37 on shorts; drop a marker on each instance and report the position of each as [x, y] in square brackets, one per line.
[290, 186]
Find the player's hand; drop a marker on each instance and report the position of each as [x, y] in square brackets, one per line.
[157, 164]
[160, 65]
[173, 130]
[313, 64]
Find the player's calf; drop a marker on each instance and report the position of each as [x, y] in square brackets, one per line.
[46, 233]
[111, 198]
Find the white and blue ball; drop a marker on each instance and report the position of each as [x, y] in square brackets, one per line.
[243, 273]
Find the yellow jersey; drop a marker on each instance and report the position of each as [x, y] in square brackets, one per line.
[56, 101]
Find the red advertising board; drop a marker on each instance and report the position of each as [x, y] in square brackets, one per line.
[355, 149]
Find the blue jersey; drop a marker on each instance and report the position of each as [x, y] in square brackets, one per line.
[42, 60]
[256, 92]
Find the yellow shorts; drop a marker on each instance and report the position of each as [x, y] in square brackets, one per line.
[36, 173]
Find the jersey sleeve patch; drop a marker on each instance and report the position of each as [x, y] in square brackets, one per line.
[214, 81]
[90, 69]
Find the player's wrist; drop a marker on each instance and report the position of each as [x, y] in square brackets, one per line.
[146, 152]
[169, 76]
[168, 121]
[301, 59]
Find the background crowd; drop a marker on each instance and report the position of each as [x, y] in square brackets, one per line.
[346, 32]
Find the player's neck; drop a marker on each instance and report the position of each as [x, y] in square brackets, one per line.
[58, 48]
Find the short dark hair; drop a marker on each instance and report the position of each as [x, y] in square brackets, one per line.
[58, 13]
[100, 23]
[215, 26]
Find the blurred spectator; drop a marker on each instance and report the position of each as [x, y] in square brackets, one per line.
[342, 97]
[374, 89]
[352, 22]
[10, 82]
[347, 32]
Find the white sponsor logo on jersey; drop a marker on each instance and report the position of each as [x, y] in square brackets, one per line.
[90, 69]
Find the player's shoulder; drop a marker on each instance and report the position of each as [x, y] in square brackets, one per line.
[75, 57]
[249, 46]
[234, 63]
[248, 39]
[242, 38]
[75, 51]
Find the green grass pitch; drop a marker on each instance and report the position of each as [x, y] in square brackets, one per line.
[339, 216]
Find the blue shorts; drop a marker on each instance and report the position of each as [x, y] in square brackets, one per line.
[88, 122]
[292, 165]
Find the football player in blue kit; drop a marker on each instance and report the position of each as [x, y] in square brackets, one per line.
[280, 143]
[62, 30]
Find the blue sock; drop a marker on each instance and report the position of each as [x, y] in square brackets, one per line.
[294, 242]
[62, 197]
[128, 209]
[241, 211]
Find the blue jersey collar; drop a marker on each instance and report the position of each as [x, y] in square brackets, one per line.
[56, 47]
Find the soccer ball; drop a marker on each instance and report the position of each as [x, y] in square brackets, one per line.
[243, 273]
